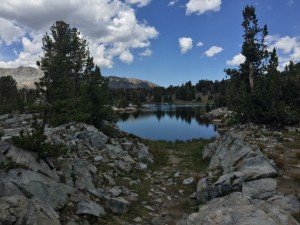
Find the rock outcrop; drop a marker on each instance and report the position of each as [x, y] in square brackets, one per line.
[240, 188]
[85, 179]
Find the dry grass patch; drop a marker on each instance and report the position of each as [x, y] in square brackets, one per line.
[296, 177]
[297, 154]
[293, 144]
[279, 161]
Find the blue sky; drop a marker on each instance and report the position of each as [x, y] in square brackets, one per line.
[168, 42]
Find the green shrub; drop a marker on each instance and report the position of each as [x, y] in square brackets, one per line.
[36, 142]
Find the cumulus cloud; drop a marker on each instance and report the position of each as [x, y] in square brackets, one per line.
[139, 3]
[236, 60]
[202, 6]
[147, 52]
[199, 44]
[126, 57]
[288, 48]
[214, 50]
[110, 26]
[185, 44]
[9, 32]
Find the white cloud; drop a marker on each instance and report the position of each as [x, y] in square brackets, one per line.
[185, 44]
[213, 51]
[202, 6]
[199, 44]
[10, 32]
[110, 26]
[140, 3]
[288, 48]
[236, 60]
[126, 57]
[147, 52]
[173, 2]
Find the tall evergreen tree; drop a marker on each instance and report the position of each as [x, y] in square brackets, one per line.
[253, 47]
[257, 91]
[69, 77]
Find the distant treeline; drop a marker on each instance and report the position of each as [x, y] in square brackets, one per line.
[204, 91]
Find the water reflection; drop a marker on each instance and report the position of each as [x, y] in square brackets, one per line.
[168, 122]
[185, 113]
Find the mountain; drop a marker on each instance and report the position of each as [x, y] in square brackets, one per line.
[126, 83]
[26, 76]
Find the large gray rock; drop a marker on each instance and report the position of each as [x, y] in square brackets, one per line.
[237, 209]
[16, 157]
[18, 210]
[32, 184]
[260, 189]
[234, 154]
[289, 203]
[117, 205]
[202, 195]
[144, 155]
[90, 208]
[98, 140]
[79, 173]
[84, 174]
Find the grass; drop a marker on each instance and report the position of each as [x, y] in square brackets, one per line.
[293, 144]
[189, 153]
[280, 162]
[296, 177]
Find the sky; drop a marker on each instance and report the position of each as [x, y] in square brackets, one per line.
[168, 42]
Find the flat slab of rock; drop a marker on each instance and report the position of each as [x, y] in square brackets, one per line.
[20, 210]
[237, 209]
[260, 189]
[10, 154]
[90, 208]
[32, 184]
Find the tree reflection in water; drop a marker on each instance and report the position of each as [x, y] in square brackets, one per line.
[185, 113]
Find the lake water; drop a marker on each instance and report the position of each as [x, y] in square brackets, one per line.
[168, 122]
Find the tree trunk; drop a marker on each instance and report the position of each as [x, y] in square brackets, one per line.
[251, 78]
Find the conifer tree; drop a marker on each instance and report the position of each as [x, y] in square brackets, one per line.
[253, 47]
[72, 85]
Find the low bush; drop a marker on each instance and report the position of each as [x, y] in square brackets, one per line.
[35, 141]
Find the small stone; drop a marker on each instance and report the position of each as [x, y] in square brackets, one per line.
[138, 219]
[188, 181]
[148, 207]
[98, 158]
[176, 174]
[193, 196]
[115, 191]
[141, 166]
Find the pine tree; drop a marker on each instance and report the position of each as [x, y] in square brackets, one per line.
[253, 47]
[72, 86]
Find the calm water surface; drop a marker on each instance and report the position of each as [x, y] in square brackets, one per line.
[168, 122]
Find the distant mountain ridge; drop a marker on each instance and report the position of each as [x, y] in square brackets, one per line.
[126, 83]
[26, 76]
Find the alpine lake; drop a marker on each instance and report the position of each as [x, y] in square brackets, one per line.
[168, 122]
